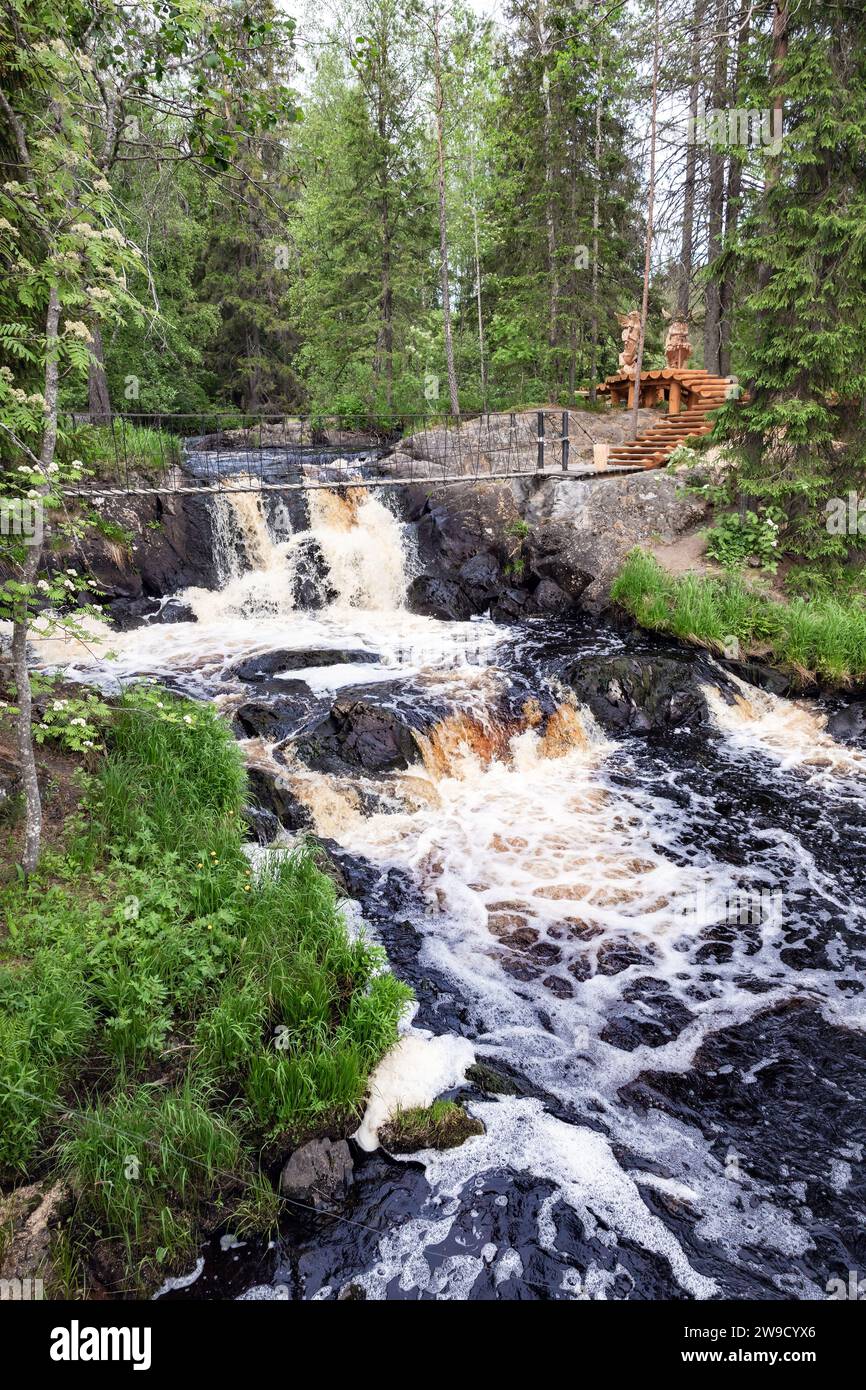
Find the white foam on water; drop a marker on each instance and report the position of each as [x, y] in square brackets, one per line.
[416, 1070]
[523, 1137]
[181, 1281]
[791, 732]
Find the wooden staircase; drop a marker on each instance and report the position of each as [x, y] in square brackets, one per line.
[652, 449]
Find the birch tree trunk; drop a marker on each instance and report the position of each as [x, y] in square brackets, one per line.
[20, 625]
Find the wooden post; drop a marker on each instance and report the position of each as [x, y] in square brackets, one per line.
[540, 461]
[565, 441]
[630, 402]
[675, 398]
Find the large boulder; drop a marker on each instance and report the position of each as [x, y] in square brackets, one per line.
[581, 532]
[642, 693]
[272, 796]
[275, 718]
[259, 668]
[439, 598]
[373, 733]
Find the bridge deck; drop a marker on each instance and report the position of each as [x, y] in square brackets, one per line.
[229, 485]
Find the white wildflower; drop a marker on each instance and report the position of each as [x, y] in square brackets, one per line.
[76, 329]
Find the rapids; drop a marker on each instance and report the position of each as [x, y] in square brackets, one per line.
[653, 946]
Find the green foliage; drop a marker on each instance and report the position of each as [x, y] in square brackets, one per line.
[734, 540]
[75, 722]
[151, 948]
[442, 1125]
[800, 259]
[823, 637]
[145, 1161]
[117, 452]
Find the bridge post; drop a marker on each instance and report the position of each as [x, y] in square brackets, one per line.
[540, 455]
[565, 441]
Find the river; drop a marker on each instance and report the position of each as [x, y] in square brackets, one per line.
[654, 944]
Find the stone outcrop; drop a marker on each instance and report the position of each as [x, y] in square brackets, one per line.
[643, 693]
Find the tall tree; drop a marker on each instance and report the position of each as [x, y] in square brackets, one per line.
[650, 226]
[801, 257]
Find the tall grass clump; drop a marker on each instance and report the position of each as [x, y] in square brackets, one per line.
[111, 452]
[823, 637]
[162, 1002]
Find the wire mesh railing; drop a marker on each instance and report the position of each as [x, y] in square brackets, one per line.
[176, 453]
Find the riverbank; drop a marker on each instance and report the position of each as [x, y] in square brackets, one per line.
[175, 1018]
[816, 641]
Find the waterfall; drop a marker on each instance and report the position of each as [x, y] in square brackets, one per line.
[353, 554]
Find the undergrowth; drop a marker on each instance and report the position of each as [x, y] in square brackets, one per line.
[823, 636]
[166, 1012]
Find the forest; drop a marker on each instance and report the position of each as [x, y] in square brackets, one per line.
[393, 208]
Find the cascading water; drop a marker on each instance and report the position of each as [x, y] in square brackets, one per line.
[562, 902]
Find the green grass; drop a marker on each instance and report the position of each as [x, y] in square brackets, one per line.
[442, 1125]
[111, 452]
[819, 638]
[161, 1003]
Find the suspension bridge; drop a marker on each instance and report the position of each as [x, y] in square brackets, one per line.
[150, 455]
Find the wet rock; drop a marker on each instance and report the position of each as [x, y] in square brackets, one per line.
[641, 693]
[491, 1081]
[848, 724]
[257, 668]
[174, 612]
[657, 1018]
[360, 733]
[274, 798]
[481, 572]
[439, 598]
[319, 1173]
[263, 824]
[550, 600]
[616, 956]
[129, 613]
[312, 585]
[277, 718]
[172, 546]
[558, 986]
[511, 604]
[765, 677]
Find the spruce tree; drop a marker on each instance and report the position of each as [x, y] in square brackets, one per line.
[801, 340]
